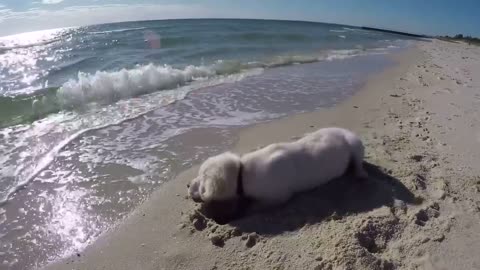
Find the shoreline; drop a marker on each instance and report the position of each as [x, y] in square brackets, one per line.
[398, 220]
[119, 166]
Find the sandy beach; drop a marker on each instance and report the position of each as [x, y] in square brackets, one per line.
[420, 208]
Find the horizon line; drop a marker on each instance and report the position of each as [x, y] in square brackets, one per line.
[224, 18]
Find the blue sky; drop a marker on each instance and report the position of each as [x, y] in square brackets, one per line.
[418, 16]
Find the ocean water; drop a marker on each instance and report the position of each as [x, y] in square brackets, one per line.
[93, 119]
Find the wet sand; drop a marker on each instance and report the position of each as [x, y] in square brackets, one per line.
[420, 208]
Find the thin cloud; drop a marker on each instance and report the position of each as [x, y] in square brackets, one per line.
[51, 2]
[4, 12]
[39, 19]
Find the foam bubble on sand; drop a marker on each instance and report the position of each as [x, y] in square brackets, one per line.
[342, 54]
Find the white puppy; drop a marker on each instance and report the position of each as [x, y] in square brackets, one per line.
[274, 173]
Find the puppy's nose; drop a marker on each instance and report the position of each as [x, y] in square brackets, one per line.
[188, 185]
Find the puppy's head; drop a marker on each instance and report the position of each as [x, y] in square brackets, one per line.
[217, 179]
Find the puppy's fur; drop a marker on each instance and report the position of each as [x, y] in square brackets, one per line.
[274, 173]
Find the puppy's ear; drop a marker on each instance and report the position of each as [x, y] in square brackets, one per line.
[220, 179]
[193, 190]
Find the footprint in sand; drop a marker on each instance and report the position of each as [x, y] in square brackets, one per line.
[446, 91]
[426, 214]
[458, 82]
[454, 105]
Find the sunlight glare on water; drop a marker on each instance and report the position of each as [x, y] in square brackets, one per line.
[20, 55]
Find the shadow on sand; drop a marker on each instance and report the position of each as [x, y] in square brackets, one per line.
[341, 197]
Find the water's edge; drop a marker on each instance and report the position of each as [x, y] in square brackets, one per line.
[191, 145]
[178, 181]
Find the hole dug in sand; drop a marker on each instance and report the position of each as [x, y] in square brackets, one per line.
[375, 233]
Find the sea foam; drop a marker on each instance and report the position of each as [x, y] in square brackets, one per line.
[107, 87]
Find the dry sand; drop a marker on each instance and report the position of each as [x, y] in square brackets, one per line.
[420, 209]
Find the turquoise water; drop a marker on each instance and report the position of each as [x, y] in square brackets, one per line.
[93, 119]
[64, 69]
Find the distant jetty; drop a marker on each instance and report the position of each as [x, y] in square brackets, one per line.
[393, 32]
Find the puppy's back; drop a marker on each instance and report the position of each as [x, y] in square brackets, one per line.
[279, 170]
